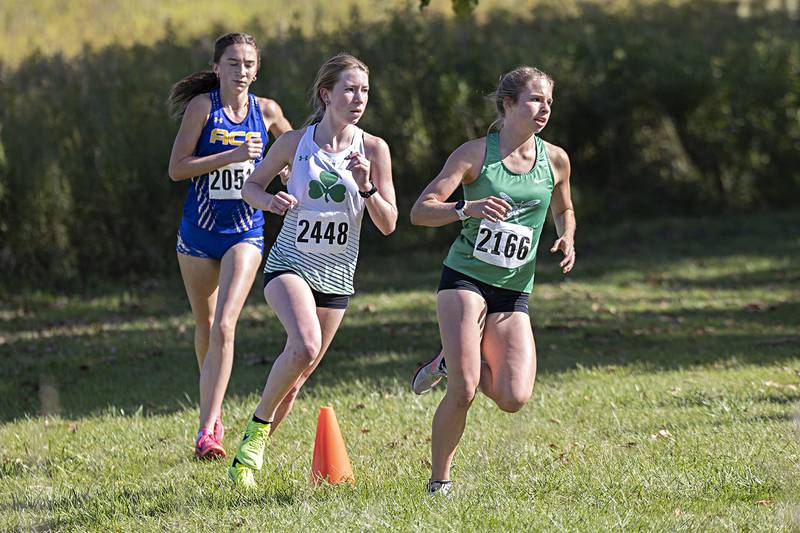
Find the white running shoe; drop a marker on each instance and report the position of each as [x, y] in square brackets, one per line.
[439, 487]
[427, 375]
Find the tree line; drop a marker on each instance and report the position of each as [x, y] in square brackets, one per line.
[664, 109]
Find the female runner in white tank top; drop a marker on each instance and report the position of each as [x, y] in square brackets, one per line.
[338, 170]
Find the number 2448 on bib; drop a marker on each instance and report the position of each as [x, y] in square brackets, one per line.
[322, 233]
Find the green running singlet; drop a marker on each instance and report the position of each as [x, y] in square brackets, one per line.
[503, 254]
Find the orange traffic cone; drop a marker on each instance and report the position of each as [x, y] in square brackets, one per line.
[330, 462]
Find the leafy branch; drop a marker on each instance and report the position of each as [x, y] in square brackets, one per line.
[462, 8]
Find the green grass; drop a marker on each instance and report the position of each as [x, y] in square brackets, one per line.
[666, 400]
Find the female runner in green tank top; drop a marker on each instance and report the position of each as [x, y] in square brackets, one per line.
[509, 179]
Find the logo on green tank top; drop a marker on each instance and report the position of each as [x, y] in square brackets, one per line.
[327, 187]
[517, 208]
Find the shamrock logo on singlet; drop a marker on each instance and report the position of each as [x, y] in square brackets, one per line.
[517, 209]
[327, 187]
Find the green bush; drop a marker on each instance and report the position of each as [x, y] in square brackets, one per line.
[663, 109]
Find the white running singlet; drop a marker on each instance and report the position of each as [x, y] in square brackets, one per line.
[319, 237]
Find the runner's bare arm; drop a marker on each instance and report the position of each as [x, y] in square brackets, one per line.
[277, 125]
[183, 164]
[382, 206]
[561, 207]
[276, 122]
[463, 166]
[280, 154]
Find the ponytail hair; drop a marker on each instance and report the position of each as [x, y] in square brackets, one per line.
[189, 87]
[510, 85]
[327, 76]
[206, 80]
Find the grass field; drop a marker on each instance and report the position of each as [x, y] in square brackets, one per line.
[669, 376]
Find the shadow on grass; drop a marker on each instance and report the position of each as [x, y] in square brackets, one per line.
[166, 382]
[145, 501]
[75, 356]
[740, 280]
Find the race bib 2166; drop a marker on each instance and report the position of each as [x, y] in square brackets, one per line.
[503, 244]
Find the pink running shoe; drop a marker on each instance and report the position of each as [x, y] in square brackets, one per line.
[429, 374]
[207, 447]
[219, 429]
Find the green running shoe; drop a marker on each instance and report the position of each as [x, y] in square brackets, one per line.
[251, 450]
[241, 475]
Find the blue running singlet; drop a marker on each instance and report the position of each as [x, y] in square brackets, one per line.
[214, 200]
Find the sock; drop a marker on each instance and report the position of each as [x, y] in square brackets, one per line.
[436, 485]
[263, 422]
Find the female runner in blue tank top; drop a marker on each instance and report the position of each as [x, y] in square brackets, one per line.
[220, 241]
[338, 172]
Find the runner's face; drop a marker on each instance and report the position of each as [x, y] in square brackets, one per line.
[237, 67]
[349, 96]
[533, 104]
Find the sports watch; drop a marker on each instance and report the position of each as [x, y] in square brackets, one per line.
[367, 194]
[460, 205]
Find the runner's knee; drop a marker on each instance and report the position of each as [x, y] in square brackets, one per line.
[203, 327]
[512, 401]
[304, 351]
[224, 330]
[462, 391]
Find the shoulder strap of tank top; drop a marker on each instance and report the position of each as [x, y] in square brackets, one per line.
[254, 106]
[543, 159]
[541, 151]
[306, 145]
[308, 137]
[216, 101]
[492, 149]
[358, 141]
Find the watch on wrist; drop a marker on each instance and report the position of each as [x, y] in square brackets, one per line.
[460, 205]
[368, 193]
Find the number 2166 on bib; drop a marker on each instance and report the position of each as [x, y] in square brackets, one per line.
[503, 244]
